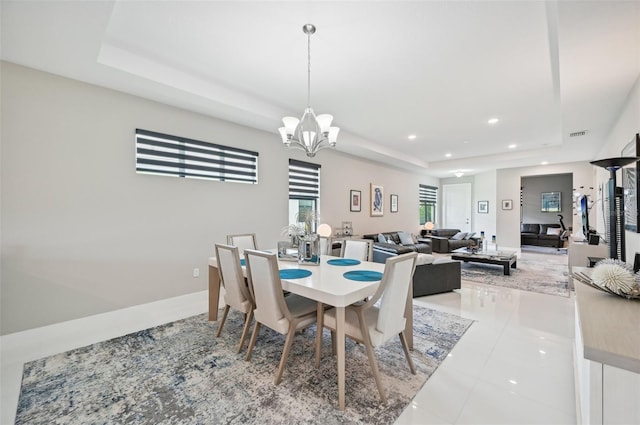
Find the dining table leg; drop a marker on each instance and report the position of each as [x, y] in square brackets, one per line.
[214, 293]
[340, 342]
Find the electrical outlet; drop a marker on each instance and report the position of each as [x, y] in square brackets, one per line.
[196, 272]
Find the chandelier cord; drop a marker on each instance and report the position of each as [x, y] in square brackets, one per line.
[309, 69]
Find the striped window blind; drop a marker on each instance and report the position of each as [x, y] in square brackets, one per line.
[428, 194]
[158, 153]
[304, 180]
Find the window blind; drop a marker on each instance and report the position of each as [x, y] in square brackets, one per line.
[428, 194]
[158, 153]
[304, 180]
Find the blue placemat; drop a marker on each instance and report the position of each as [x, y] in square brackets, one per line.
[363, 275]
[294, 273]
[343, 262]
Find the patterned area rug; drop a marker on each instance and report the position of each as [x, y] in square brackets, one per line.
[180, 373]
[546, 277]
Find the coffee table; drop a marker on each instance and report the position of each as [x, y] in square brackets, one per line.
[504, 257]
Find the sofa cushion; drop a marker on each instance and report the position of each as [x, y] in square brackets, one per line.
[544, 227]
[554, 231]
[447, 233]
[529, 228]
[405, 238]
[459, 236]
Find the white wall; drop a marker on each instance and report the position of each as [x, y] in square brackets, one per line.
[82, 233]
[623, 131]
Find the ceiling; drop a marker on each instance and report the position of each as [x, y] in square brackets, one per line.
[385, 69]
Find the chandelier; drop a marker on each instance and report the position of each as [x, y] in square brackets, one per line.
[310, 133]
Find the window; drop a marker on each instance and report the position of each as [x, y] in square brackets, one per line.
[158, 153]
[304, 189]
[428, 197]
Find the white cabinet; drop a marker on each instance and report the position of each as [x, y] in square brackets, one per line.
[607, 363]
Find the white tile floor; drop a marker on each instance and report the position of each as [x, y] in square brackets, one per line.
[513, 366]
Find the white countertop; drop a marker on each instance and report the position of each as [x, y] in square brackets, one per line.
[610, 326]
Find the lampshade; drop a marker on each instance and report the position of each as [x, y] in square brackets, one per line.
[428, 225]
[324, 230]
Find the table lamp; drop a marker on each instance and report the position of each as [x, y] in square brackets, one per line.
[324, 230]
[428, 226]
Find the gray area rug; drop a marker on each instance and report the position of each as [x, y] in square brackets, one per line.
[180, 373]
[545, 277]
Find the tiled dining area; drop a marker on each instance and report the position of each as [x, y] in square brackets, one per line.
[514, 365]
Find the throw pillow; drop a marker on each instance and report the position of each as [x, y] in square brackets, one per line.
[459, 236]
[405, 238]
[469, 235]
[554, 231]
[415, 238]
[381, 238]
[391, 241]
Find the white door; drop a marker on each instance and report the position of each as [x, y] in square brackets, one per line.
[456, 206]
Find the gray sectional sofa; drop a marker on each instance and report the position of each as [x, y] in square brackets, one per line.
[432, 276]
[442, 240]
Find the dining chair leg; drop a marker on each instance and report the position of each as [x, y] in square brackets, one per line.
[372, 358]
[403, 340]
[252, 342]
[319, 325]
[224, 318]
[245, 330]
[285, 352]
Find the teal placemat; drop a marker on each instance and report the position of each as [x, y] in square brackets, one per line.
[363, 275]
[243, 261]
[343, 262]
[294, 273]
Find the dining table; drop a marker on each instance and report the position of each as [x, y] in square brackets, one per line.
[330, 283]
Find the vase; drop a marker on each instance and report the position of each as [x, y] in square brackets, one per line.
[309, 249]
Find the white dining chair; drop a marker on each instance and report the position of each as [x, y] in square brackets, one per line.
[325, 245]
[236, 291]
[374, 325]
[243, 241]
[283, 314]
[358, 249]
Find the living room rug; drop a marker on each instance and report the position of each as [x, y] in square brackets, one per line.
[545, 277]
[181, 373]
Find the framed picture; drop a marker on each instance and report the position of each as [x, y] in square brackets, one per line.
[551, 202]
[377, 200]
[483, 207]
[630, 184]
[507, 204]
[355, 197]
[393, 206]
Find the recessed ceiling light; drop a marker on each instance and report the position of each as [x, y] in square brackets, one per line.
[544, 163]
[512, 146]
[412, 137]
[448, 155]
[458, 174]
[493, 120]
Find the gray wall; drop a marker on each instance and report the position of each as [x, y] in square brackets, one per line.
[532, 189]
[82, 233]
